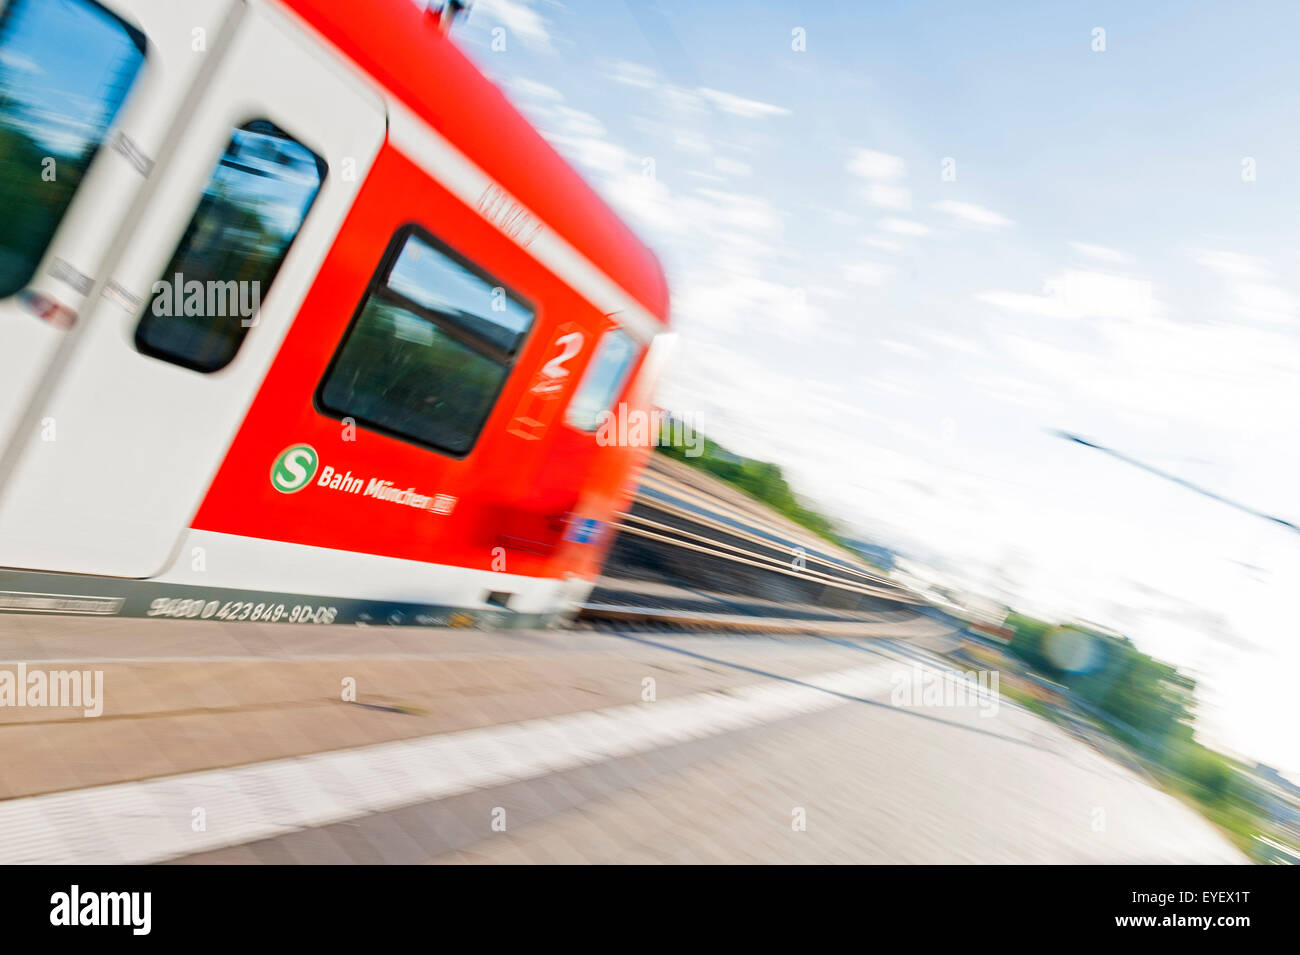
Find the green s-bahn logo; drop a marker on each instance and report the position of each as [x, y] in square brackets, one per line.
[294, 468]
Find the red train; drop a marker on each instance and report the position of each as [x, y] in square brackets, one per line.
[300, 320]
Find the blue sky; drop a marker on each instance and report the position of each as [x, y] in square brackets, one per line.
[1115, 256]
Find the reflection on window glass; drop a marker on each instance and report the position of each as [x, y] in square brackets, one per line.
[405, 374]
[211, 290]
[65, 68]
[602, 381]
[429, 351]
[429, 278]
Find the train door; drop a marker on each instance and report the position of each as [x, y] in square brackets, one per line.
[187, 314]
[87, 98]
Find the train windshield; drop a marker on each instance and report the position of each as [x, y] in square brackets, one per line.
[602, 381]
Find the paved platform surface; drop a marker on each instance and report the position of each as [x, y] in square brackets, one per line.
[747, 737]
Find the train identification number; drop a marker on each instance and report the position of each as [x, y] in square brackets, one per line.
[187, 608]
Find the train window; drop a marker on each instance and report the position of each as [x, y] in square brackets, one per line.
[251, 211]
[438, 283]
[602, 381]
[65, 69]
[429, 349]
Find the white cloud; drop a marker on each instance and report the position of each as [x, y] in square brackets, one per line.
[890, 386]
[867, 273]
[885, 245]
[904, 227]
[634, 74]
[1264, 302]
[731, 167]
[1250, 280]
[736, 211]
[1026, 304]
[739, 106]
[519, 19]
[1101, 295]
[1226, 385]
[683, 101]
[906, 349]
[970, 213]
[870, 164]
[691, 143]
[618, 175]
[946, 340]
[734, 304]
[575, 122]
[1102, 253]
[1016, 391]
[534, 90]
[1234, 264]
[1076, 293]
[887, 197]
[593, 153]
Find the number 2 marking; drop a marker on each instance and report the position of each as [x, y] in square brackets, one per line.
[570, 345]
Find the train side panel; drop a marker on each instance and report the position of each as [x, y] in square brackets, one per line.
[507, 504]
[409, 426]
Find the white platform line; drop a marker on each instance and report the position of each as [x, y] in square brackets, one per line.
[152, 820]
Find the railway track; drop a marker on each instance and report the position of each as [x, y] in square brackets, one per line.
[618, 616]
[694, 554]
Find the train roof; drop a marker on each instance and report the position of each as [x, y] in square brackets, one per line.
[401, 47]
